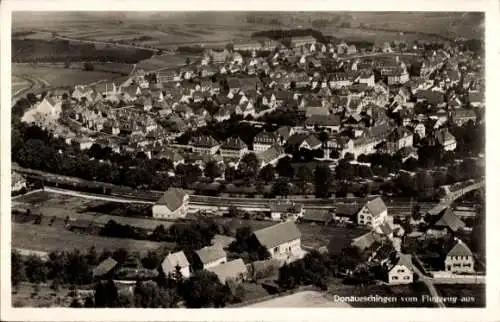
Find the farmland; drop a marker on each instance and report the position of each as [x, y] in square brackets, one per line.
[47, 238]
[59, 76]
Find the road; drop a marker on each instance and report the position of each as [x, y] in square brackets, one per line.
[430, 286]
[94, 196]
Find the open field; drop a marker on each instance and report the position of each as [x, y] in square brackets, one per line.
[47, 239]
[165, 61]
[376, 36]
[60, 77]
[468, 295]
[306, 299]
[26, 296]
[18, 84]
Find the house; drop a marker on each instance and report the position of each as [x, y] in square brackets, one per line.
[282, 241]
[172, 204]
[235, 271]
[399, 76]
[298, 41]
[286, 211]
[47, 108]
[174, 260]
[105, 268]
[319, 216]
[461, 116]
[367, 240]
[398, 139]
[445, 139]
[271, 155]
[211, 256]
[373, 213]
[330, 122]
[233, 147]
[264, 140]
[367, 77]
[448, 221]
[459, 259]
[401, 272]
[300, 141]
[204, 145]
[171, 155]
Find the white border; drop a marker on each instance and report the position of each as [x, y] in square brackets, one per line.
[492, 98]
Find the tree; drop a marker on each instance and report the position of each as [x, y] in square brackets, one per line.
[324, 137]
[212, 170]
[246, 243]
[305, 176]
[203, 289]
[17, 269]
[267, 173]
[322, 181]
[92, 258]
[281, 187]
[188, 61]
[36, 270]
[152, 260]
[415, 213]
[249, 166]
[284, 167]
[149, 295]
[88, 66]
[230, 174]
[105, 294]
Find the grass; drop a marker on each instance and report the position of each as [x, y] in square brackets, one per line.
[25, 296]
[468, 295]
[48, 239]
[60, 77]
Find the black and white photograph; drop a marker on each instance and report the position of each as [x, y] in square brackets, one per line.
[247, 159]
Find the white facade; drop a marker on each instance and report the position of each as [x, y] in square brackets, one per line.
[260, 147]
[400, 274]
[206, 150]
[231, 153]
[163, 212]
[450, 145]
[285, 250]
[369, 81]
[365, 217]
[459, 264]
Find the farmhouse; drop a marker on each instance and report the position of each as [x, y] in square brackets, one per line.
[373, 213]
[235, 271]
[286, 211]
[282, 241]
[211, 256]
[105, 268]
[174, 260]
[172, 205]
[459, 259]
[401, 272]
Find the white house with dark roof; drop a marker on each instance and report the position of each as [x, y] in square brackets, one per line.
[373, 213]
[459, 259]
[282, 241]
[233, 147]
[401, 272]
[211, 256]
[170, 263]
[286, 211]
[235, 270]
[173, 204]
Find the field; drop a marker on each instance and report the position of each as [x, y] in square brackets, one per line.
[165, 61]
[306, 299]
[375, 36]
[19, 84]
[469, 295]
[58, 76]
[26, 296]
[47, 239]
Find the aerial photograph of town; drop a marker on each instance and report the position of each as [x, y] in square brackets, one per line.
[247, 159]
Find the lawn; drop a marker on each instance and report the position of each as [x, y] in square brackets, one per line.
[468, 295]
[47, 239]
[59, 76]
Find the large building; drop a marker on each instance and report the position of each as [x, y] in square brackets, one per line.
[204, 145]
[373, 213]
[233, 148]
[172, 205]
[282, 241]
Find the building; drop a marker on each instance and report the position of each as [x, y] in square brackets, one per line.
[444, 138]
[105, 268]
[211, 256]
[286, 211]
[282, 241]
[174, 260]
[264, 141]
[235, 271]
[47, 108]
[373, 213]
[398, 139]
[247, 46]
[447, 220]
[204, 145]
[233, 148]
[299, 41]
[172, 205]
[459, 259]
[330, 122]
[402, 271]
[271, 155]
[319, 216]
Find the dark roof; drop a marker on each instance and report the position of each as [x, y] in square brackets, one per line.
[403, 260]
[376, 206]
[265, 136]
[276, 235]
[459, 249]
[324, 120]
[318, 215]
[210, 254]
[450, 220]
[366, 241]
[270, 154]
[172, 198]
[234, 143]
[432, 97]
[104, 267]
[204, 141]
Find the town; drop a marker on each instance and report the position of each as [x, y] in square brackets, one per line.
[290, 164]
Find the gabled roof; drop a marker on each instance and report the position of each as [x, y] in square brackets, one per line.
[376, 206]
[229, 270]
[274, 152]
[279, 234]
[403, 260]
[366, 241]
[459, 249]
[210, 254]
[173, 260]
[233, 143]
[318, 215]
[450, 220]
[104, 267]
[173, 198]
[204, 141]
